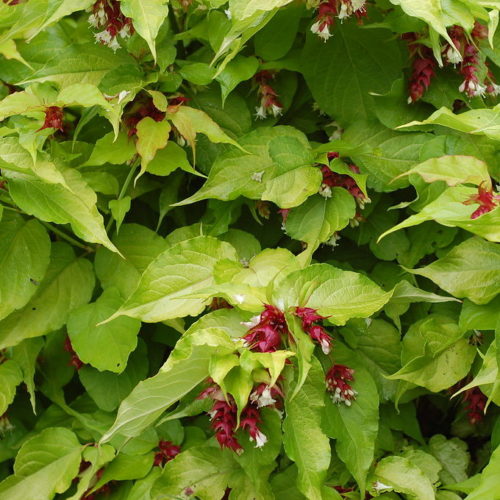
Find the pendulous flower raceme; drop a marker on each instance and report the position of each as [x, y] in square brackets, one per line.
[310, 318]
[223, 414]
[106, 15]
[53, 118]
[166, 451]
[337, 384]
[266, 330]
[331, 9]
[270, 105]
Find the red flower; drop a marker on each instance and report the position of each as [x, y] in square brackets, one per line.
[486, 199]
[269, 102]
[265, 335]
[168, 451]
[317, 333]
[223, 416]
[422, 67]
[53, 118]
[337, 382]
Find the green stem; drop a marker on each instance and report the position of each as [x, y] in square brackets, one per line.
[125, 187]
[67, 237]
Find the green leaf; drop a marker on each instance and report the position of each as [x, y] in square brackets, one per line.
[454, 457]
[449, 209]
[304, 440]
[139, 246]
[24, 257]
[277, 159]
[339, 295]
[151, 136]
[475, 121]
[186, 367]
[74, 203]
[11, 376]
[317, 219]
[401, 475]
[147, 17]
[110, 150]
[45, 465]
[108, 389]
[242, 9]
[25, 355]
[204, 470]
[488, 485]
[80, 63]
[354, 427]
[168, 159]
[105, 347]
[68, 283]
[370, 62]
[479, 317]
[435, 355]
[453, 170]
[190, 121]
[471, 270]
[119, 209]
[178, 271]
[238, 70]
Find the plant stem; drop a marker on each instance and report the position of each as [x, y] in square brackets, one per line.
[67, 237]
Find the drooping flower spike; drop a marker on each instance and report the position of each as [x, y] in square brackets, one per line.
[487, 199]
[310, 318]
[337, 383]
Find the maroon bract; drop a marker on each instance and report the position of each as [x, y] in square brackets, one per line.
[270, 105]
[332, 179]
[53, 118]
[106, 15]
[475, 404]
[487, 200]
[250, 420]
[265, 335]
[167, 451]
[75, 361]
[141, 108]
[470, 70]
[327, 12]
[337, 383]
[309, 318]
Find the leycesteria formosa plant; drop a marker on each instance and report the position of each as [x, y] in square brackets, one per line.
[249, 249]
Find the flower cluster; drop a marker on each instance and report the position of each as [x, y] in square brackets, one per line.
[167, 451]
[75, 361]
[327, 12]
[333, 179]
[223, 415]
[475, 404]
[139, 109]
[106, 15]
[266, 330]
[270, 105]
[310, 318]
[487, 200]
[53, 118]
[423, 67]
[337, 383]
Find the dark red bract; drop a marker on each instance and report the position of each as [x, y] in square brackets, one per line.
[486, 199]
[265, 336]
[167, 451]
[337, 383]
[53, 118]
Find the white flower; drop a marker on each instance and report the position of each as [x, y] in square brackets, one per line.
[263, 399]
[357, 4]
[93, 21]
[495, 90]
[114, 45]
[260, 113]
[325, 191]
[125, 31]
[325, 346]
[260, 439]
[344, 12]
[321, 29]
[257, 176]
[276, 110]
[101, 16]
[472, 88]
[453, 55]
[253, 322]
[103, 37]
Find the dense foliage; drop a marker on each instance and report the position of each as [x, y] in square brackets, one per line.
[249, 249]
